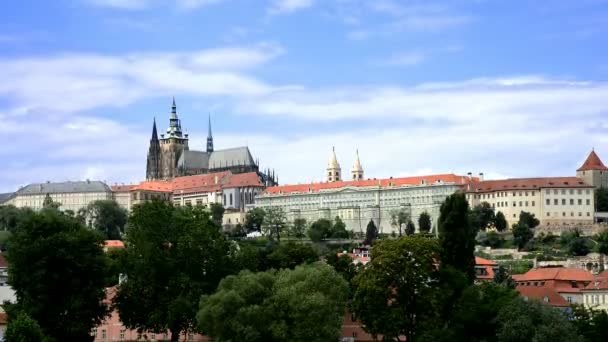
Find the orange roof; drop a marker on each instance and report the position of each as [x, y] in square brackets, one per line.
[544, 294]
[383, 183]
[160, 186]
[484, 262]
[569, 274]
[593, 162]
[527, 184]
[113, 244]
[243, 179]
[202, 183]
[189, 182]
[123, 188]
[598, 284]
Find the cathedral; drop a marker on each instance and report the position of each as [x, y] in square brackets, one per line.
[170, 156]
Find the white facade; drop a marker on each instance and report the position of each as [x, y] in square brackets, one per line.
[71, 195]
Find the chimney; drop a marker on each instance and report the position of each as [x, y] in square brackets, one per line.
[215, 179]
[481, 176]
[470, 174]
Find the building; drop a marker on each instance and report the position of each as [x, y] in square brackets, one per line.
[3, 270]
[358, 201]
[595, 295]
[563, 201]
[593, 171]
[72, 195]
[484, 269]
[568, 283]
[170, 156]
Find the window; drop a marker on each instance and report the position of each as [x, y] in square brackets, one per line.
[563, 191]
[571, 213]
[548, 201]
[515, 204]
[103, 334]
[533, 203]
[513, 194]
[555, 192]
[520, 203]
[526, 193]
[563, 201]
[580, 214]
[548, 192]
[588, 214]
[548, 214]
[514, 215]
[230, 199]
[587, 191]
[580, 201]
[526, 203]
[153, 336]
[224, 199]
[572, 201]
[571, 191]
[520, 193]
[564, 214]
[569, 299]
[580, 192]
[588, 201]
[555, 201]
[122, 334]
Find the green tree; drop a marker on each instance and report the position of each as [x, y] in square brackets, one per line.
[115, 265]
[23, 328]
[319, 230]
[298, 228]
[492, 239]
[457, 236]
[10, 216]
[48, 203]
[174, 255]
[523, 320]
[275, 222]
[338, 230]
[482, 216]
[500, 223]
[291, 254]
[502, 277]
[424, 222]
[57, 267]
[254, 219]
[591, 324]
[521, 234]
[528, 219]
[396, 291]
[268, 307]
[107, 217]
[398, 219]
[343, 264]
[371, 233]
[410, 228]
[217, 213]
[602, 242]
[601, 199]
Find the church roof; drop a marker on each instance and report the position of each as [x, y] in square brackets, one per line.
[202, 183]
[64, 187]
[593, 162]
[333, 160]
[192, 160]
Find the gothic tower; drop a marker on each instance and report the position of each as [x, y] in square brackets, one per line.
[209, 138]
[153, 164]
[357, 170]
[172, 145]
[333, 168]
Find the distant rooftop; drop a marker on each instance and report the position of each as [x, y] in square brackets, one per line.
[6, 197]
[64, 187]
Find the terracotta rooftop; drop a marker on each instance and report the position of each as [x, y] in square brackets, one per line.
[383, 183]
[527, 184]
[544, 294]
[598, 284]
[202, 183]
[123, 187]
[569, 274]
[484, 262]
[593, 162]
[113, 244]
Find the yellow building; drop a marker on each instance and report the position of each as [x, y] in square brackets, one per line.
[72, 195]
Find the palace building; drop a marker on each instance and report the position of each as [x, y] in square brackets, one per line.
[358, 200]
[170, 156]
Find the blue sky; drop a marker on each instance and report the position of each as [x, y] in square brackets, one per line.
[511, 88]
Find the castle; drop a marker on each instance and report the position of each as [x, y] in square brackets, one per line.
[170, 156]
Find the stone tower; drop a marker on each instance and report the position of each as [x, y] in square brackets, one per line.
[209, 138]
[172, 145]
[153, 165]
[357, 171]
[593, 171]
[333, 173]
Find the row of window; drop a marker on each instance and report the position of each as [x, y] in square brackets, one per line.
[595, 299]
[579, 201]
[530, 193]
[140, 337]
[571, 214]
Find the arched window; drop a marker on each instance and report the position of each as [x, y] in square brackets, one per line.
[230, 199]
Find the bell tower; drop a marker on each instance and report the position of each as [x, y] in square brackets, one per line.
[357, 171]
[333, 171]
[172, 145]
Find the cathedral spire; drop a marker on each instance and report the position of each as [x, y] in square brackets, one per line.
[173, 110]
[333, 168]
[357, 171]
[154, 133]
[209, 137]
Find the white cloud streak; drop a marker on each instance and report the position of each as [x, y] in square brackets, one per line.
[289, 6]
[144, 4]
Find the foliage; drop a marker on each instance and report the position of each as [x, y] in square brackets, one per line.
[424, 222]
[11, 215]
[394, 294]
[291, 254]
[493, 240]
[56, 267]
[4, 236]
[115, 265]
[298, 228]
[343, 264]
[535, 321]
[108, 218]
[254, 219]
[305, 304]
[457, 236]
[502, 277]
[48, 203]
[23, 328]
[173, 256]
[410, 228]
[398, 219]
[275, 222]
[521, 234]
[500, 222]
[217, 213]
[319, 230]
[371, 233]
[338, 230]
[589, 323]
[528, 219]
[602, 242]
[482, 216]
[601, 199]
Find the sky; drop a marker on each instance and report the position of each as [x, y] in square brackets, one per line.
[510, 88]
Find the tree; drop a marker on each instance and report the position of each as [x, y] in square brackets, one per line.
[500, 223]
[107, 217]
[410, 228]
[290, 254]
[343, 264]
[298, 228]
[319, 230]
[591, 324]
[174, 255]
[57, 268]
[493, 240]
[11, 215]
[528, 219]
[275, 222]
[457, 236]
[371, 233]
[602, 242]
[424, 222]
[502, 277]
[395, 293]
[115, 265]
[521, 234]
[523, 320]
[399, 218]
[338, 230]
[23, 328]
[48, 203]
[268, 306]
[217, 213]
[254, 219]
[579, 247]
[482, 216]
[601, 199]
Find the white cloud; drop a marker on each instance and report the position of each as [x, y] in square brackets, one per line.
[289, 6]
[406, 58]
[143, 4]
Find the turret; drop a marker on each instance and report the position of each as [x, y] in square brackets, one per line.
[209, 137]
[357, 171]
[333, 171]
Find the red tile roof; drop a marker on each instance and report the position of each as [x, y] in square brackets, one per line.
[159, 186]
[544, 294]
[383, 183]
[598, 284]
[593, 162]
[113, 244]
[484, 262]
[123, 188]
[202, 183]
[569, 274]
[527, 184]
